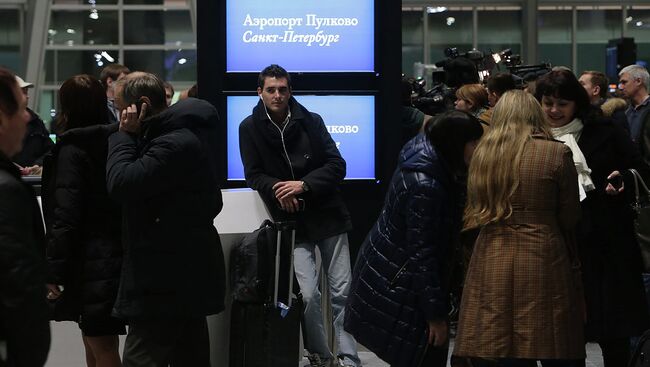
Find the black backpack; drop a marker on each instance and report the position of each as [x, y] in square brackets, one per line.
[250, 267]
[641, 355]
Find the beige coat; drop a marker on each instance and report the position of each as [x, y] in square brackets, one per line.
[522, 296]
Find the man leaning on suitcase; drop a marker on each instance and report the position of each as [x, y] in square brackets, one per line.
[291, 160]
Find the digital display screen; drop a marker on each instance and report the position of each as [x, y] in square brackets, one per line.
[301, 36]
[350, 119]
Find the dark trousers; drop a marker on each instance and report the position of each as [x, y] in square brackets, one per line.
[162, 343]
[616, 352]
[435, 356]
[477, 362]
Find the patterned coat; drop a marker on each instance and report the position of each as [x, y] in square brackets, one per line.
[522, 297]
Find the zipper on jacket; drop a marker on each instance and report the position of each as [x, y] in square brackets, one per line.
[399, 273]
[281, 131]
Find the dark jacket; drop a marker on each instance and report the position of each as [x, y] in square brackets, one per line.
[312, 158]
[84, 248]
[614, 108]
[607, 246]
[166, 180]
[24, 324]
[400, 276]
[36, 144]
[643, 141]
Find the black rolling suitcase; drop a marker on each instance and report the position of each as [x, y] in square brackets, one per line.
[265, 316]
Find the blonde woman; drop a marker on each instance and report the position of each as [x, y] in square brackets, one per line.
[472, 98]
[521, 301]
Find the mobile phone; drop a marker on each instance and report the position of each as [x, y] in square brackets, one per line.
[138, 106]
[616, 181]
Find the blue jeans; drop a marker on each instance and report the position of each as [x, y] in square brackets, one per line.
[335, 255]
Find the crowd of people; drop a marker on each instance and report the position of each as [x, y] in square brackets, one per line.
[556, 262]
[131, 188]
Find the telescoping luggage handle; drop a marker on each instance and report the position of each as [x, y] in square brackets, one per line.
[280, 228]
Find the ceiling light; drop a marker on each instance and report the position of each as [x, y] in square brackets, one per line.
[435, 9]
[108, 57]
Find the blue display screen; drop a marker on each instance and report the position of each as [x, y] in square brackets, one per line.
[301, 36]
[349, 119]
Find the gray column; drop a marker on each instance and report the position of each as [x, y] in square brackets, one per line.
[474, 27]
[529, 34]
[38, 21]
[426, 42]
[574, 39]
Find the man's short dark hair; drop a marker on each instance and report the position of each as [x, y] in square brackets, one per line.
[193, 92]
[273, 71]
[599, 79]
[500, 83]
[112, 71]
[8, 102]
[140, 84]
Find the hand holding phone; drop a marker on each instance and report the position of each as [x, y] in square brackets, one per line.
[616, 181]
[131, 117]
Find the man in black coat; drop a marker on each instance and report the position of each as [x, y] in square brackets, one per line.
[290, 158]
[162, 168]
[36, 143]
[24, 325]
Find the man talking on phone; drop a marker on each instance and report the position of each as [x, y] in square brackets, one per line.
[290, 158]
[162, 168]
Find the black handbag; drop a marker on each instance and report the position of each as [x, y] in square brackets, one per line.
[641, 207]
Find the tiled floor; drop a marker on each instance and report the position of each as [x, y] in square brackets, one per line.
[368, 359]
[67, 350]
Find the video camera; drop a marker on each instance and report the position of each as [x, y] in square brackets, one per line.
[470, 67]
[483, 66]
[438, 99]
[522, 73]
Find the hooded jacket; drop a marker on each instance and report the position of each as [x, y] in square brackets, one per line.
[166, 179]
[304, 151]
[400, 276]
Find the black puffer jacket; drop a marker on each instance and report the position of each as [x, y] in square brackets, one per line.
[400, 279]
[166, 180]
[304, 151]
[23, 311]
[84, 248]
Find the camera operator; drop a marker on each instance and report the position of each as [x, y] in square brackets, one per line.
[497, 84]
[413, 120]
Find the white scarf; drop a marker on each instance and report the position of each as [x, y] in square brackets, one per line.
[569, 134]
